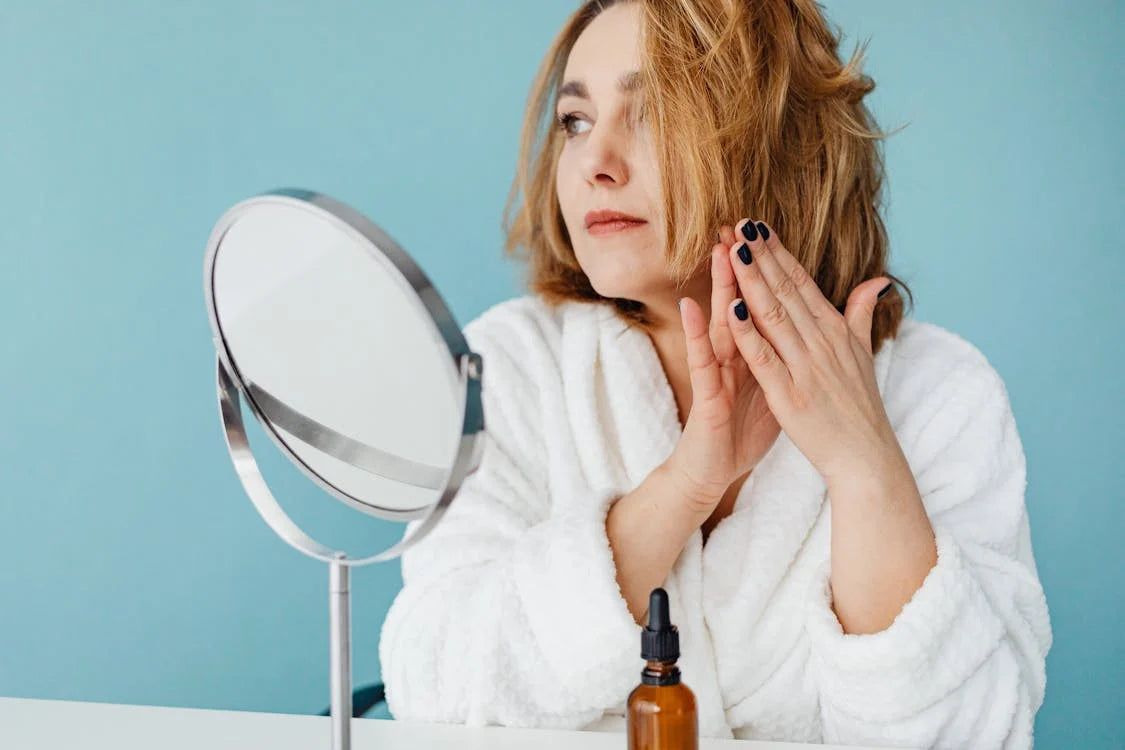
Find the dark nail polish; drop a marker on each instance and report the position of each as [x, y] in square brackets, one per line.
[744, 254]
[749, 232]
[886, 289]
[740, 310]
[765, 232]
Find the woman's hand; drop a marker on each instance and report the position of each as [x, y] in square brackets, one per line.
[730, 426]
[815, 366]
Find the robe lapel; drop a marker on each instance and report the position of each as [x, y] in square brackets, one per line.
[636, 403]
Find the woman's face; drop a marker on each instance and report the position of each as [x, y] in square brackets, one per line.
[608, 161]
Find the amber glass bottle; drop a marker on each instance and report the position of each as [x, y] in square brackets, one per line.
[661, 712]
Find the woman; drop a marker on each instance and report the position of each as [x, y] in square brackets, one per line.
[832, 495]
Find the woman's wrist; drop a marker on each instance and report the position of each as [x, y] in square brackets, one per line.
[697, 498]
[647, 529]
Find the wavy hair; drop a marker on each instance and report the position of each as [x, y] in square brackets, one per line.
[753, 114]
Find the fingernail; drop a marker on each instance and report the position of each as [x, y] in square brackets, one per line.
[749, 232]
[740, 310]
[744, 254]
[765, 232]
[886, 289]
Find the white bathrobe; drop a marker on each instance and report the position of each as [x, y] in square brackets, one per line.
[511, 614]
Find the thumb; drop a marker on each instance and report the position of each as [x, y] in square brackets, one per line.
[860, 309]
[706, 381]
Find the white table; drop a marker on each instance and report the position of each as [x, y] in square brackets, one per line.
[27, 724]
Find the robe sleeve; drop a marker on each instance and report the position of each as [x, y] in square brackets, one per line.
[510, 611]
[963, 664]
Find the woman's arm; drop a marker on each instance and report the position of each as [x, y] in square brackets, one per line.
[648, 529]
[555, 645]
[963, 663]
[882, 545]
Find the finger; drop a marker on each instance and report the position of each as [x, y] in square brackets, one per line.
[814, 298]
[784, 287]
[706, 381]
[760, 356]
[723, 291]
[860, 309]
[771, 317]
[726, 235]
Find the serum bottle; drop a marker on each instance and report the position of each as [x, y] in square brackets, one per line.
[661, 710]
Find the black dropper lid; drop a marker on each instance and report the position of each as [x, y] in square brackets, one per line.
[660, 641]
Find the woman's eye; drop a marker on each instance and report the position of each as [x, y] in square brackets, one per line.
[565, 121]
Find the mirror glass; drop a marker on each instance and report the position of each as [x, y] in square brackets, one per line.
[339, 355]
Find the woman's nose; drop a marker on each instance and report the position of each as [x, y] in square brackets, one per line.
[604, 159]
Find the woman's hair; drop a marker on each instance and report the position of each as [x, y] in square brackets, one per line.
[753, 114]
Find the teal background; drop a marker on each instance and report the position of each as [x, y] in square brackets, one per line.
[135, 570]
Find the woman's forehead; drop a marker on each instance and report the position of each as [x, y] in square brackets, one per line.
[606, 50]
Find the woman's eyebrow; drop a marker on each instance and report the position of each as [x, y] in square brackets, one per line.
[626, 84]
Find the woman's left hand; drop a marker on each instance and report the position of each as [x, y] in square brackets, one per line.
[815, 366]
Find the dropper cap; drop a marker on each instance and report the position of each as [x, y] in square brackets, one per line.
[660, 641]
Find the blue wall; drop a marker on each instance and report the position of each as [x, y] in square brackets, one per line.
[132, 566]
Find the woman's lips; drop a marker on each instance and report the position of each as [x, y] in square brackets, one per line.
[612, 227]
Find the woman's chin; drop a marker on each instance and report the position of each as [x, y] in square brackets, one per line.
[627, 273]
[626, 288]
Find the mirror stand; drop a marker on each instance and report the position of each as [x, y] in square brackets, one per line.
[340, 637]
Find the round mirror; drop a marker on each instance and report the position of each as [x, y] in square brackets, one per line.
[353, 366]
[347, 357]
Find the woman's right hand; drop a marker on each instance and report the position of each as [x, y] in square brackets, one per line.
[730, 425]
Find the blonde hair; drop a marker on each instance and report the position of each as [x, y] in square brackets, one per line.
[753, 114]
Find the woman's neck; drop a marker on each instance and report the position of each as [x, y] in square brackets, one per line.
[672, 351]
